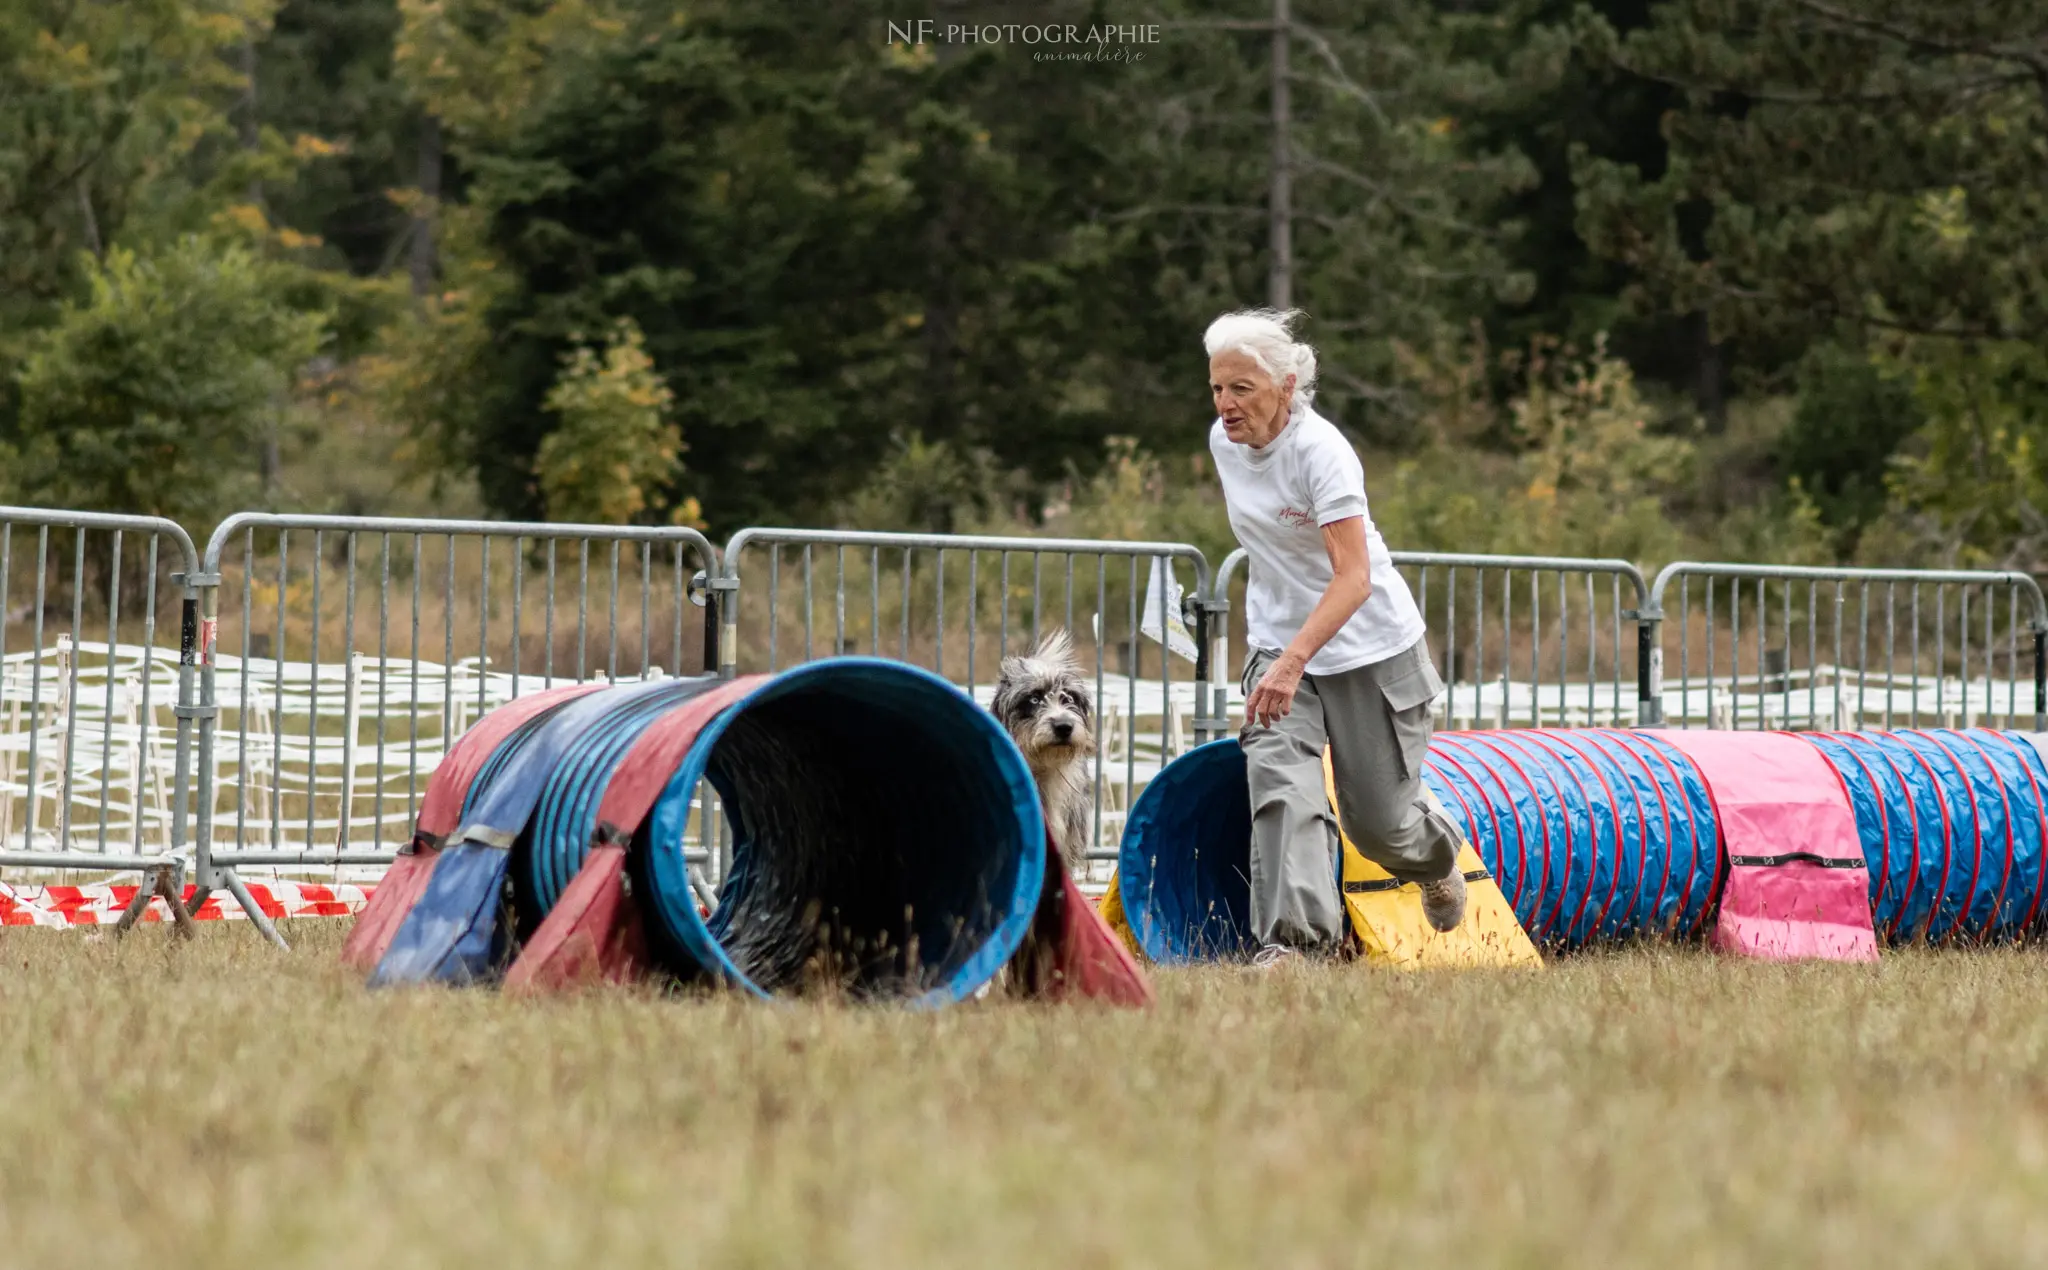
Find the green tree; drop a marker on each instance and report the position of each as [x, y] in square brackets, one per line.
[1872, 173]
[149, 395]
[105, 108]
[1875, 163]
[615, 452]
[325, 79]
[1852, 416]
[839, 248]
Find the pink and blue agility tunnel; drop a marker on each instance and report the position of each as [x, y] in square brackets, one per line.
[886, 835]
[1598, 836]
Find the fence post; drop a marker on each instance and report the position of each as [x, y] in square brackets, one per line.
[722, 594]
[1212, 668]
[1649, 621]
[207, 712]
[706, 586]
[2040, 677]
[1195, 612]
[196, 707]
[188, 711]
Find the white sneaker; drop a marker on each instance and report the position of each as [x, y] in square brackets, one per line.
[1443, 901]
[1275, 955]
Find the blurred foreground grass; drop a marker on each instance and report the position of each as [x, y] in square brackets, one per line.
[218, 1105]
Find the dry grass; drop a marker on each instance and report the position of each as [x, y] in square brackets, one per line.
[219, 1105]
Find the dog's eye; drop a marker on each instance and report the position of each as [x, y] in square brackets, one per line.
[1035, 700]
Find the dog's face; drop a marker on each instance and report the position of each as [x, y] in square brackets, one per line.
[1044, 704]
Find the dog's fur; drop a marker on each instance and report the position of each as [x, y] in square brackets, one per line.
[1044, 704]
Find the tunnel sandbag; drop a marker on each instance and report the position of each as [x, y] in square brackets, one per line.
[1092, 959]
[454, 933]
[447, 792]
[1386, 914]
[1797, 887]
[1953, 823]
[593, 934]
[1184, 865]
[887, 840]
[1111, 909]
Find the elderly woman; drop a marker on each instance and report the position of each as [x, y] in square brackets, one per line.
[1338, 652]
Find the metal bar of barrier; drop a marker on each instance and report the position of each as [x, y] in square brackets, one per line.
[1506, 634]
[83, 783]
[308, 808]
[1859, 669]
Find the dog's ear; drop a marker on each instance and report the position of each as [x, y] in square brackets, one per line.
[1012, 668]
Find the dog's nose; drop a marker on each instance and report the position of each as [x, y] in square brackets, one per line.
[1063, 731]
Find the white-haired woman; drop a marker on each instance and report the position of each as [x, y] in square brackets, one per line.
[1338, 652]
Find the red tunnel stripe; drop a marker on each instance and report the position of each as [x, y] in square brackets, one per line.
[1521, 856]
[1614, 813]
[2005, 805]
[1540, 927]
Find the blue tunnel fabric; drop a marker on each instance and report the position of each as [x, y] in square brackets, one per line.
[1184, 864]
[565, 817]
[1596, 835]
[1952, 823]
[883, 824]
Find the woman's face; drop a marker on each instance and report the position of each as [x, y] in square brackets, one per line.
[1253, 408]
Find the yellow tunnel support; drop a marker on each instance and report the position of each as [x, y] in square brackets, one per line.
[1387, 915]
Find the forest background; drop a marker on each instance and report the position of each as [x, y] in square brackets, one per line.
[1752, 279]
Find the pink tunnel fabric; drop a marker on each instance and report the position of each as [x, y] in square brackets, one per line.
[1797, 885]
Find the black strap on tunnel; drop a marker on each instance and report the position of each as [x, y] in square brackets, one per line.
[1792, 857]
[1376, 885]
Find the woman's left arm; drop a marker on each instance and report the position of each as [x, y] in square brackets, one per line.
[1350, 585]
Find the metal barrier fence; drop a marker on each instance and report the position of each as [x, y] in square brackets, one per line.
[1867, 647]
[363, 646]
[325, 664]
[87, 695]
[1536, 641]
[958, 604]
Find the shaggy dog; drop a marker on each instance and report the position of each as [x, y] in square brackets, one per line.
[1043, 703]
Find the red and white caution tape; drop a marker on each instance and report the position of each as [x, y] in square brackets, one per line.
[103, 905]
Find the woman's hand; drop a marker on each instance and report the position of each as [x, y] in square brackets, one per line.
[1272, 697]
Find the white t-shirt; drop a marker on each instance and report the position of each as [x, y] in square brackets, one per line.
[1279, 499]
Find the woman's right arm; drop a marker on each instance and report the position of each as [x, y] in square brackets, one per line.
[1350, 585]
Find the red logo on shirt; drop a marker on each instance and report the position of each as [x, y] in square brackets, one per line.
[1299, 519]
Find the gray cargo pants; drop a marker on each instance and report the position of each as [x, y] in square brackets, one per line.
[1376, 722]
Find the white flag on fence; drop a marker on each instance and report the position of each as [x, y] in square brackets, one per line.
[1176, 635]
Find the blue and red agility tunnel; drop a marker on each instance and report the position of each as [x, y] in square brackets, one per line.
[1952, 823]
[886, 842]
[1599, 836]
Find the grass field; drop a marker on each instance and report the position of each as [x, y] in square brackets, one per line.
[221, 1105]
